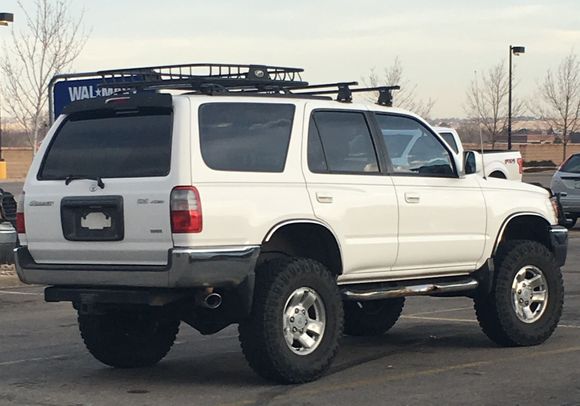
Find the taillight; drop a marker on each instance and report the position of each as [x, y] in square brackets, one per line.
[20, 226]
[521, 165]
[186, 214]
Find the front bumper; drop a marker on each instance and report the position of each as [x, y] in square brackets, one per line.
[559, 243]
[220, 267]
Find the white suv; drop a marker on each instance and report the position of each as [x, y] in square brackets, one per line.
[259, 201]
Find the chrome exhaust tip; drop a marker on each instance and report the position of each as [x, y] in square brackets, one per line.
[212, 301]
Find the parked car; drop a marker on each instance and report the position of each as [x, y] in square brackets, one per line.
[566, 183]
[254, 199]
[8, 235]
[496, 163]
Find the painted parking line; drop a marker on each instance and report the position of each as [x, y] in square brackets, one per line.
[441, 311]
[10, 292]
[22, 361]
[413, 317]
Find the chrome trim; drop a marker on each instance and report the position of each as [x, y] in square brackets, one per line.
[299, 221]
[506, 222]
[234, 249]
[410, 290]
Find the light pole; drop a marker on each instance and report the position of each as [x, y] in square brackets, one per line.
[5, 18]
[514, 50]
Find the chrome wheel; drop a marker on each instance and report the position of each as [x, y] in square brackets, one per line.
[529, 294]
[304, 320]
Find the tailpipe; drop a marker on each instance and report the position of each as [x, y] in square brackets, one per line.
[211, 301]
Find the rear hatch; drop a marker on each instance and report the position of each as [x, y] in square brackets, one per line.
[98, 193]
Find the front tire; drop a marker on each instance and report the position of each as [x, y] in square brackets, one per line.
[293, 332]
[124, 339]
[371, 318]
[527, 297]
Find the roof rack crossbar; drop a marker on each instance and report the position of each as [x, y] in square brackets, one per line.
[344, 91]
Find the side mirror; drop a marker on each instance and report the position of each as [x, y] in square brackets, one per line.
[473, 163]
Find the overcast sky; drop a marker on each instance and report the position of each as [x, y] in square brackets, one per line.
[441, 43]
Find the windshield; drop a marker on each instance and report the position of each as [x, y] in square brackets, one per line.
[105, 145]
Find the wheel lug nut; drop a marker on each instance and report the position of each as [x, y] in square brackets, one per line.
[527, 303]
[519, 292]
[291, 319]
[296, 310]
[524, 285]
[301, 330]
[303, 311]
[521, 301]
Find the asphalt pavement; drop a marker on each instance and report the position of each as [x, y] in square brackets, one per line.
[436, 354]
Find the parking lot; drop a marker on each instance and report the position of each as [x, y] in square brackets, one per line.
[436, 354]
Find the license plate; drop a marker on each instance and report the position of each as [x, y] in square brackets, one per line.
[92, 218]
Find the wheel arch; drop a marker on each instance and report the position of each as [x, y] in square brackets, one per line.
[528, 226]
[307, 238]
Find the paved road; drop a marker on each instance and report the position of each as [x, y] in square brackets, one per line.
[436, 354]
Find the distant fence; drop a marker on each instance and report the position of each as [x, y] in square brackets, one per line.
[536, 152]
[18, 159]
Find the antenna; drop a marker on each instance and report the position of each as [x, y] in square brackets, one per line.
[481, 145]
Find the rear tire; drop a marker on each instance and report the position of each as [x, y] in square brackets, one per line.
[514, 314]
[293, 332]
[125, 339]
[371, 318]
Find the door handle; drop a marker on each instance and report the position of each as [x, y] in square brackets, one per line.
[324, 198]
[412, 198]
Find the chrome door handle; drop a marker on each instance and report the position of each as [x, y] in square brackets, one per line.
[323, 198]
[412, 198]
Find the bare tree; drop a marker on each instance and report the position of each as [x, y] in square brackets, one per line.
[49, 41]
[487, 102]
[405, 98]
[558, 100]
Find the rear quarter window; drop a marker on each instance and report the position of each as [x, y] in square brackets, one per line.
[249, 137]
[110, 146]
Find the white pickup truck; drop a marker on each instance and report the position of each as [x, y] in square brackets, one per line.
[496, 163]
[253, 199]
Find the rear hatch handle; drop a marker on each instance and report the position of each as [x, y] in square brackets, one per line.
[70, 178]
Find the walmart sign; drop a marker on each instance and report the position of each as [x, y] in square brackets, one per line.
[68, 91]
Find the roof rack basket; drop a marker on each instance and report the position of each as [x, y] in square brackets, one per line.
[205, 77]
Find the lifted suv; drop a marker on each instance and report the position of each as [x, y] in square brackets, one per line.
[254, 199]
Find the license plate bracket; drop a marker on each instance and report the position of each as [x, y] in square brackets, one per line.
[98, 218]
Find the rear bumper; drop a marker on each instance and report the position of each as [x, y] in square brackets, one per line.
[559, 242]
[220, 267]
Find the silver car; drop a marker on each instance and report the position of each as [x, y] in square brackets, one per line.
[566, 183]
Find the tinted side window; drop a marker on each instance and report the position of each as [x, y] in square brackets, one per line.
[251, 137]
[416, 150]
[344, 140]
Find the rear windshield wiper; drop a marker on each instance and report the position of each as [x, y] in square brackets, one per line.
[70, 178]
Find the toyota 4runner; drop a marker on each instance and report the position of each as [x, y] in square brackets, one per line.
[250, 197]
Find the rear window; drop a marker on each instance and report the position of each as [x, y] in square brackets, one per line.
[449, 139]
[572, 165]
[110, 146]
[250, 137]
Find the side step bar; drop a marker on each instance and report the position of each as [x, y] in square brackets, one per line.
[384, 291]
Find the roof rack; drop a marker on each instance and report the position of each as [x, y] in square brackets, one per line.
[344, 91]
[204, 77]
[213, 78]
